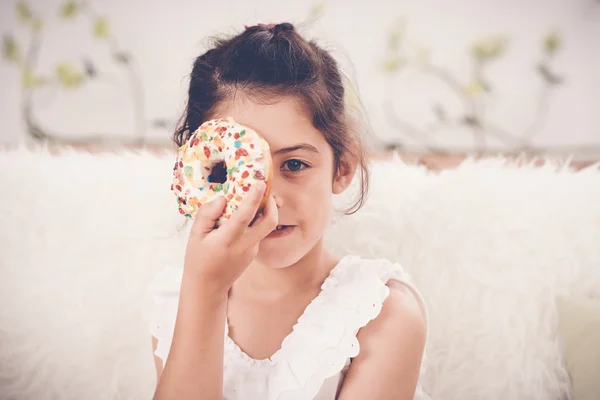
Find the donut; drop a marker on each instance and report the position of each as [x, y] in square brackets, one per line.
[221, 158]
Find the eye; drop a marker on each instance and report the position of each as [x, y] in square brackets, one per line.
[294, 165]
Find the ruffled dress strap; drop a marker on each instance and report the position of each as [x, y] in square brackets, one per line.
[325, 336]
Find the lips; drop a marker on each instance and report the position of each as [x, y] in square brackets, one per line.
[281, 230]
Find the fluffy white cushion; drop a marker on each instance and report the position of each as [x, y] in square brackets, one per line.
[490, 245]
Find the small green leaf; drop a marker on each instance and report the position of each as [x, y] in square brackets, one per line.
[69, 9]
[396, 36]
[317, 10]
[24, 11]
[101, 28]
[37, 24]
[30, 80]
[10, 49]
[68, 75]
[474, 88]
[489, 48]
[422, 53]
[392, 63]
[552, 42]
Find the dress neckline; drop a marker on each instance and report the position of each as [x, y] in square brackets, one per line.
[230, 343]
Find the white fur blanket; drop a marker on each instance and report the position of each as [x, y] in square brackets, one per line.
[490, 244]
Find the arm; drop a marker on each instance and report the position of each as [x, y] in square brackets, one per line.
[214, 259]
[195, 363]
[391, 349]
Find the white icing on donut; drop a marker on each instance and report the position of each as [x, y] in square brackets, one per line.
[220, 140]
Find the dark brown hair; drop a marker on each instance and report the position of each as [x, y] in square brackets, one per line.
[271, 61]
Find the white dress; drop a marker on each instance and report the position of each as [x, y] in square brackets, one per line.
[312, 361]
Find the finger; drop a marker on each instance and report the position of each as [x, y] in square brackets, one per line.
[206, 217]
[266, 223]
[241, 219]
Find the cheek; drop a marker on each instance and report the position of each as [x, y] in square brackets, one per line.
[314, 197]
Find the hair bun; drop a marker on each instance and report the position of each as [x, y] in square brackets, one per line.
[286, 26]
[274, 29]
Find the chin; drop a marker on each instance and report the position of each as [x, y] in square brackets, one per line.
[275, 255]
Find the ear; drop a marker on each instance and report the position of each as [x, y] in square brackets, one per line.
[344, 175]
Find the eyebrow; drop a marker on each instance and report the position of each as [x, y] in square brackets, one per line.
[303, 146]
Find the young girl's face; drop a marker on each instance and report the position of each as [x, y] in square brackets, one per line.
[303, 176]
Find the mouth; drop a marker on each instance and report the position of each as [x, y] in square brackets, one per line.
[281, 230]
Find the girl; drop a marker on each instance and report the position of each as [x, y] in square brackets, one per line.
[262, 310]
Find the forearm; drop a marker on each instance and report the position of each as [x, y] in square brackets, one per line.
[194, 368]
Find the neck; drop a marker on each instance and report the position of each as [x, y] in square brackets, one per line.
[307, 273]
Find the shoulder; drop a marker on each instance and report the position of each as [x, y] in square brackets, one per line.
[402, 311]
[402, 322]
[392, 347]
[401, 315]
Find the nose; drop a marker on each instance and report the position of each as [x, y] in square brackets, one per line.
[275, 187]
[278, 200]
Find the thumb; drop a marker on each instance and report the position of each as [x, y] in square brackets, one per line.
[207, 216]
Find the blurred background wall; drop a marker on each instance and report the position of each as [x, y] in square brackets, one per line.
[432, 75]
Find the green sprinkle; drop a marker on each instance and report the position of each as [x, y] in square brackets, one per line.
[204, 136]
[240, 163]
[218, 187]
[215, 151]
[242, 132]
[188, 170]
[232, 170]
[226, 186]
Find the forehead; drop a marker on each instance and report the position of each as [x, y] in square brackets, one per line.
[282, 123]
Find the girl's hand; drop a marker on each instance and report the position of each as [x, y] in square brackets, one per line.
[215, 258]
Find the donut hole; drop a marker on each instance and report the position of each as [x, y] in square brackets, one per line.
[218, 173]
